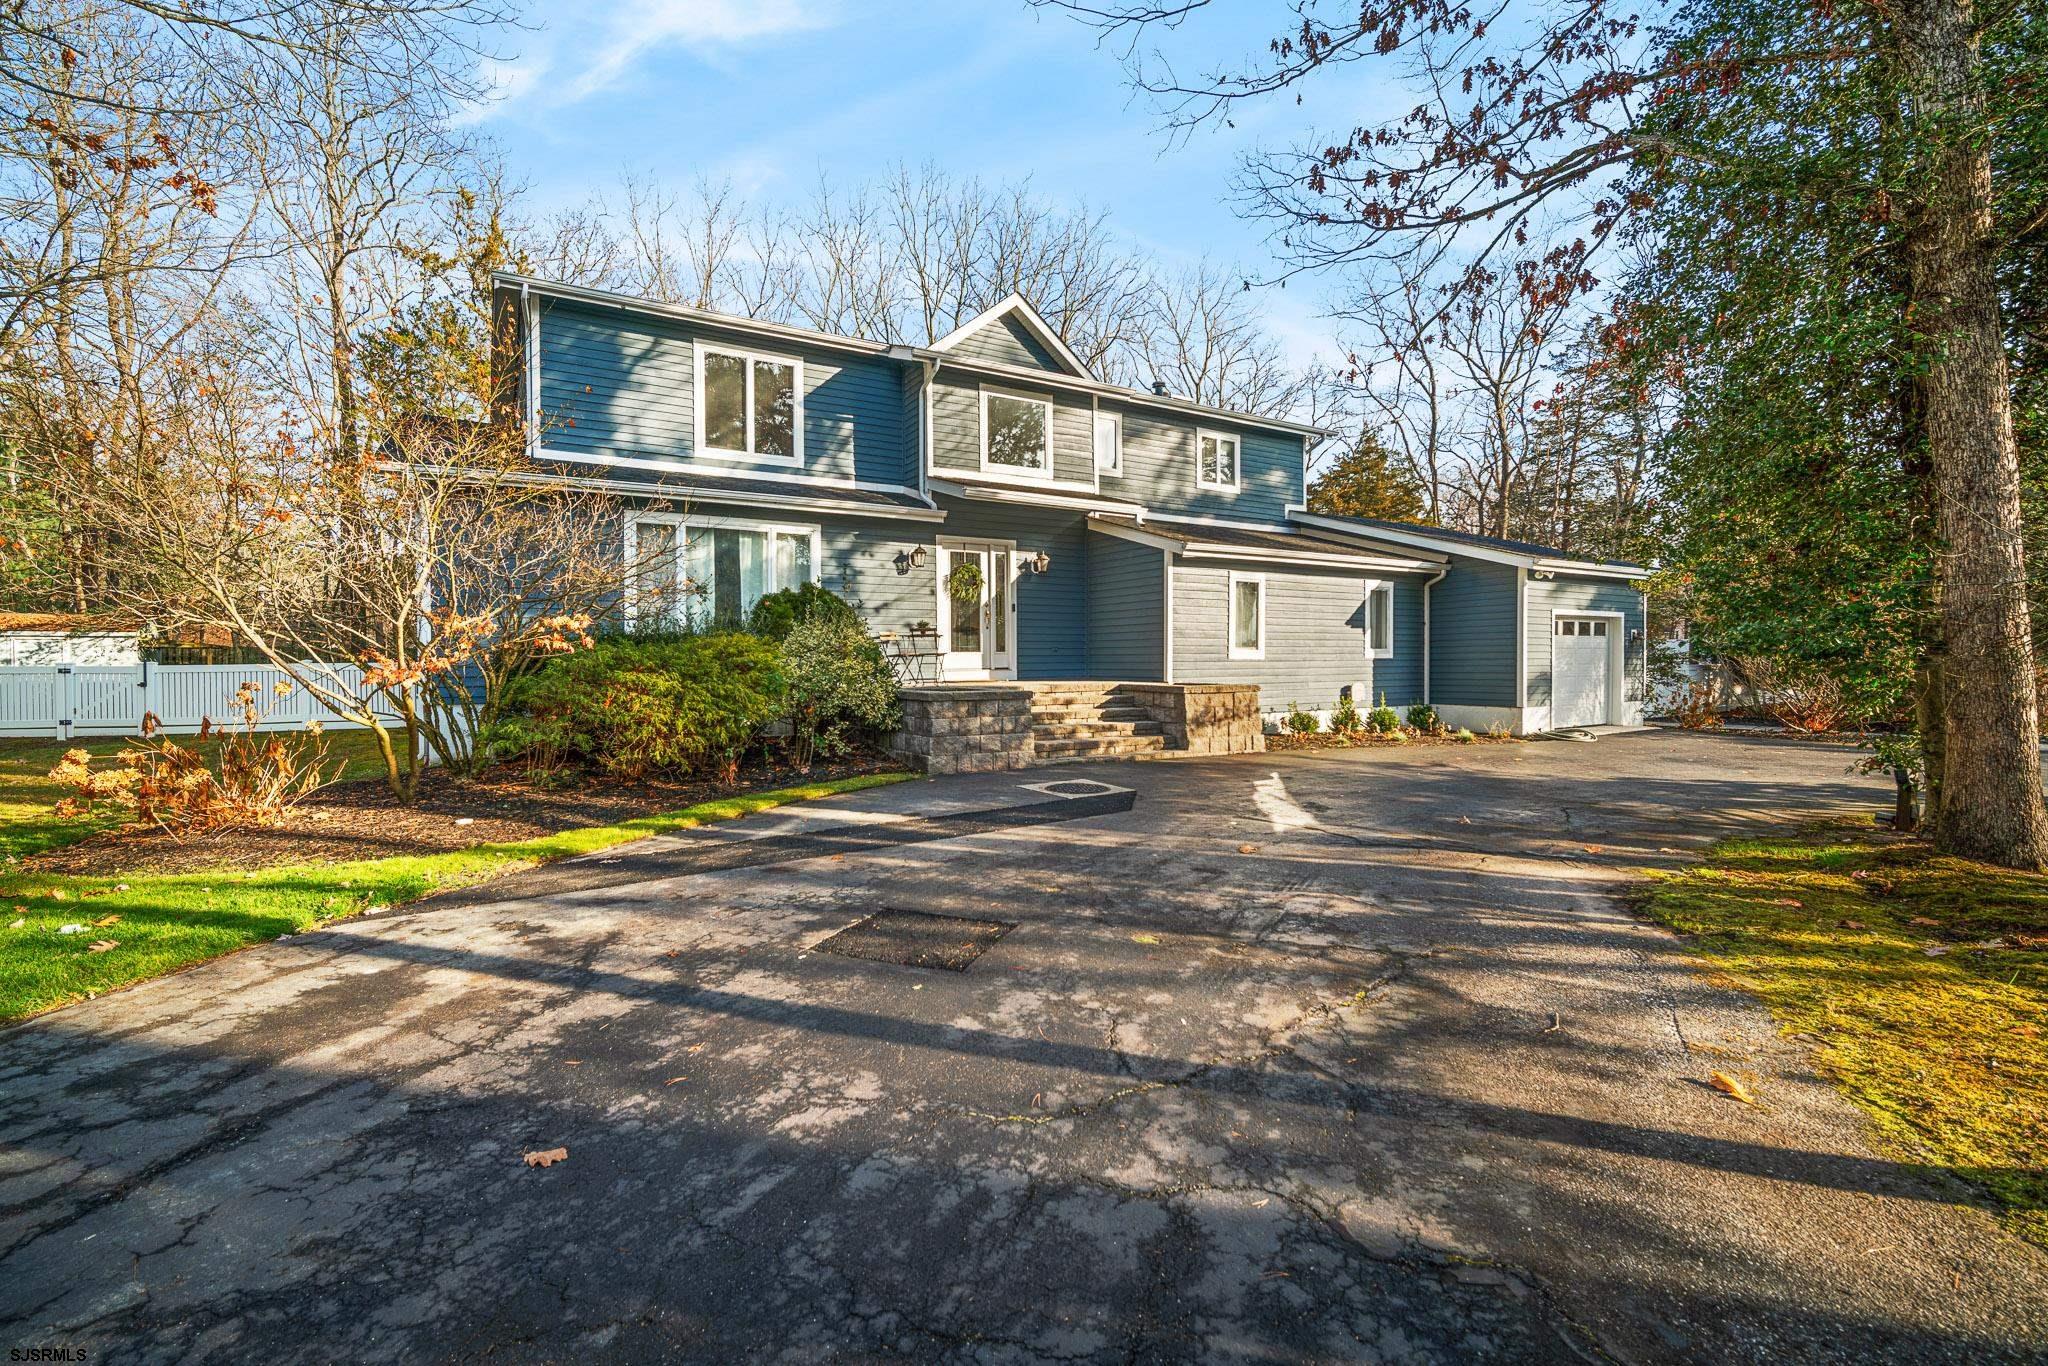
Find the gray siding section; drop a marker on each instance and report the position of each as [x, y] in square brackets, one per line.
[1315, 636]
[1472, 635]
[1159, 468]
[1126, 609]
[1007, 342]
[1582, 595]
[624, 384]
[956, 428]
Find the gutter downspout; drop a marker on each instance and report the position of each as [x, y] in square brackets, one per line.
[1427, 643]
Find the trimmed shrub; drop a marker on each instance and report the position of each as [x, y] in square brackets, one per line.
[840, 688]
[1301, 722]
[776, 613]
[635, 707]
[1383, 719]
[1345, 720]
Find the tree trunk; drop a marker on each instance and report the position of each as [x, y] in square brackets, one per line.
[1991, 805]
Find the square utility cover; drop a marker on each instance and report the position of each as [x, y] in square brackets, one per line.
[916, 939]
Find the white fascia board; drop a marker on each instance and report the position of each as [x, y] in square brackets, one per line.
[1037, 495]
[1199, 551]
[1589, 570]
[1427, 546]
[634, 488]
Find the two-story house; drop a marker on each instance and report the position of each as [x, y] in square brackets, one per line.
[1118, 534]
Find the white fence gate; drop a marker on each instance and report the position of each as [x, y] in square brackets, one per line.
[67, 700]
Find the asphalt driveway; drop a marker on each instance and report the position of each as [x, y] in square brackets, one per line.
[1291, 1057]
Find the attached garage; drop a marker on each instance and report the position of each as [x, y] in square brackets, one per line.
[1523, 636]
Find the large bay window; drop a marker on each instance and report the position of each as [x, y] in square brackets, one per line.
[707, 574]
[749, 405]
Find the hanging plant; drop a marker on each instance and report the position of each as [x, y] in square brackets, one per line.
[963, 581]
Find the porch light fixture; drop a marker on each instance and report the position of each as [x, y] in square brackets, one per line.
[907, 560]
[1039, 563]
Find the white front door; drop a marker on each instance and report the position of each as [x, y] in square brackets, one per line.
[1579, 670]
[978, 608]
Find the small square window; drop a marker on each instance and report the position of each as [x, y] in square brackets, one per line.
[1599, 628]
[1216, 461]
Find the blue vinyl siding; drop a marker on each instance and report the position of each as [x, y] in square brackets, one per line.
[1007, 342]
[1472, 635]
[1582, 595]
[624, 384]
[1126, 609]
[1315, 636]
[1052, 612]
[1159, 468]
[956, 428]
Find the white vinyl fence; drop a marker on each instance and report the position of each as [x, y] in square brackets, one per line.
[64, 700]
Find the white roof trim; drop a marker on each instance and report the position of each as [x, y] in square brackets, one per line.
[991, 493]
[1152, 534]
[1033, 323]
[1423, 540]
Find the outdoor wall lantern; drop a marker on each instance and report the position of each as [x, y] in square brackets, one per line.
[1039, 563]
[907, 560]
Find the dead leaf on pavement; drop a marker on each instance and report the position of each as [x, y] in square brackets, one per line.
[1593, 848]
[1729, 1086]
[102, 945]
[1247, 848]
[547, 1157]
[673, 1080]
[1144, 939]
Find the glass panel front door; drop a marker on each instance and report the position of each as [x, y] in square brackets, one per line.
[976, 604]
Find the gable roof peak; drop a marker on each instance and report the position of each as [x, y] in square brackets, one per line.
[1018, 307]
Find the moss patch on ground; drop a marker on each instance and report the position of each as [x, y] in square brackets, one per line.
[158, 924]
[1922, 982]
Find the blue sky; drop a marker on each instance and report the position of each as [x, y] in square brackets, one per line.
[767, 92]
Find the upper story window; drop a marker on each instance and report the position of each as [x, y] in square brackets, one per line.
[749, 405]
[1379, 619]
[1016, 434]
[1216, 461]
[1109, 443]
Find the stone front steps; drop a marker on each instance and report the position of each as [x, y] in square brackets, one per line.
[1071, 721]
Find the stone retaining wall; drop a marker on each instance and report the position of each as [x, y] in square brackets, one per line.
[1203, 718]
[965, 729]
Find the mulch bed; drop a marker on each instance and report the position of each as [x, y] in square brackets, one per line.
[1323, 739]
[362, 820]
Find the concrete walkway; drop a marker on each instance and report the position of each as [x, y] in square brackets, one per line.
[1335, 1056]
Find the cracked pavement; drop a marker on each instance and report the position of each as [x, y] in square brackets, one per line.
[1331, 1056]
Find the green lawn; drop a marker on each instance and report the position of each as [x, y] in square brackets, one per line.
[27, 795]
[1923, 982]
[159, 923]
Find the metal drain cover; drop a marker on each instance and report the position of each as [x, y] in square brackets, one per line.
[918, 939]
[1074, 787]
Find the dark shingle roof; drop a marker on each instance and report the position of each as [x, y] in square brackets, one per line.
[1252, 538]
[1474, 538]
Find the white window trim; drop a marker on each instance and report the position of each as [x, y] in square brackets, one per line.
[1236, 461]
[1230, 616]
[1373, 586]
[1116, 464]
[1021, 472]
[705, 451]
[684, 523]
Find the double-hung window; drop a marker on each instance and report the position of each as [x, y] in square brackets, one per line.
[1379, 619]
[1109, 443]
[749, 406]
[1016, 434]
[1247, 624]
[1216, 461]
[707, 575]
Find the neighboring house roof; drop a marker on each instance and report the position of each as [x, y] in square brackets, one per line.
[1541, 557]
[68, 623]
[1217, 540]
[1019, 308]
[931, 355]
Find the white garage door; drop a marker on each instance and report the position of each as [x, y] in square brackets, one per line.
[1578, 671]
